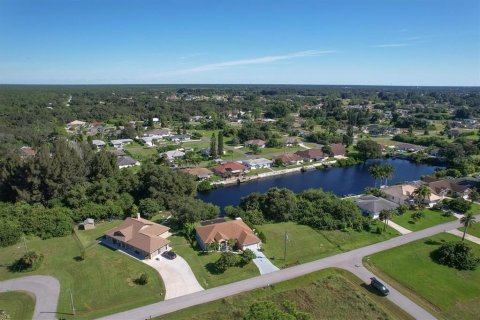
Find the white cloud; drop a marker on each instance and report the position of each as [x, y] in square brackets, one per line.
[242, 62]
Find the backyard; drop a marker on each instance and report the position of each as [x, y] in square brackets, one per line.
[305, 244]
[18, 305]
[445, 292]
[431, 218]
[103, 283]
[201, 265]
[327, 294]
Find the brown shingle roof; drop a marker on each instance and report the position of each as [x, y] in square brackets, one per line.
[230, 167]
[311, 154]
[446, 185]
[234, 229]
[289, 157]
[257, 142]
[338, 149]
[140, 233]
[199, 172]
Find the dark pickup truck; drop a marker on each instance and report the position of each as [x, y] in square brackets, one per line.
[379, 286]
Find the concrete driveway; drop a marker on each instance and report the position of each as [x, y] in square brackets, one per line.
[177, 276]
[46, 290]
[263, 264]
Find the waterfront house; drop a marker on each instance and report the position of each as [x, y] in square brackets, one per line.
[259, 163]
[229, 169]
[139, 237]
[310, 155]
[372, 206]
[338, 150]
[447, 187]
[289, 159]
[221, 232]
[200, 173]
[404, 194]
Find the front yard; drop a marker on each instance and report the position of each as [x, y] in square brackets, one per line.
[201, 265]
[326, 294]
[305, 244]
[101, 284]
[18, 305]
[473, 230]
[432, 218]
[443, 291]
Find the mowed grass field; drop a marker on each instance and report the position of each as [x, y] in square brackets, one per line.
[327, 294]
[101, 284]
[201, 265]
[432, 218]
[18, 305]
[473, 230]
[305, 244]
[445, 292]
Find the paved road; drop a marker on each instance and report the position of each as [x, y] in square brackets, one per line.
[46, 290]
[347, 260]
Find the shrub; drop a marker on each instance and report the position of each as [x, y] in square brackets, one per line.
[142, 280]
[262, 236]
[204, 186]
[459, 204]
[10, 232]
[456, 254]
[417, 216]
[226, 260]
[28, 262]
[246, 257]
[4, 315]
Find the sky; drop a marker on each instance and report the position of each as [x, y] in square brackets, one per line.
[368, 42]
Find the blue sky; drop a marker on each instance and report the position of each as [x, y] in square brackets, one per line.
[384, 42]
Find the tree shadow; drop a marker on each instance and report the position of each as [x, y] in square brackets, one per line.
[78, 258]
[211, 268]
[431, 242]
[411, 222]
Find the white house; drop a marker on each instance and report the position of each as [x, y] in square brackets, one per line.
[99, 144]
[126, 162]
[120, 143]
[259, 163]
[173, 154]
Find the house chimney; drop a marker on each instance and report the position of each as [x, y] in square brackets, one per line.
[138, 215]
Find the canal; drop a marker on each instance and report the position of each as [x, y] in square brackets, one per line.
[341, 181]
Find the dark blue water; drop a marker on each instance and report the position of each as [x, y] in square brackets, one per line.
[341, 181]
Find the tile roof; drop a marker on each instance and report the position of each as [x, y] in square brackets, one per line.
[338, 149]
[140, 233]
[199, 172]
[233, 229]
[230, 167]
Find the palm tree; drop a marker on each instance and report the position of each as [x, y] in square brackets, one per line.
[422, 193]
[384, 216]
[386, 171]
[467, 220]
[374, 172]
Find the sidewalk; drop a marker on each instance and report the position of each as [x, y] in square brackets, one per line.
[469, 237]
[399, 228]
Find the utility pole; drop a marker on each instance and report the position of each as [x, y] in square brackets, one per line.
[71, 301]
[285, 250]
[25, 244]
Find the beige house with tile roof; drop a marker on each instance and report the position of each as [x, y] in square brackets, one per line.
[139, 237]
[221, 232]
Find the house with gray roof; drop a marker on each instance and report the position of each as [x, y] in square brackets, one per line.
[126, 162]
[372, 206]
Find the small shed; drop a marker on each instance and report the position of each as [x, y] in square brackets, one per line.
[88, 224]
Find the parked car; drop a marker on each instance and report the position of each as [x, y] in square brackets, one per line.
[170, 255]
[379, 286]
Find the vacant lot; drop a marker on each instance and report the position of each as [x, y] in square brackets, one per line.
[432, 218]
[201, 265]
[327, 294]
[18, 305]
[446, 292]
[305, 244]
[101, 284]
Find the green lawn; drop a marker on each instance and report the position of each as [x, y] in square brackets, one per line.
[432, 218]
[327, 294]
[277, 150]
[139, 152]
[446, 292]
[18, 305]
[101, 284]
[258, 171]
[201, 264]
[473, 230]
[306, 244]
